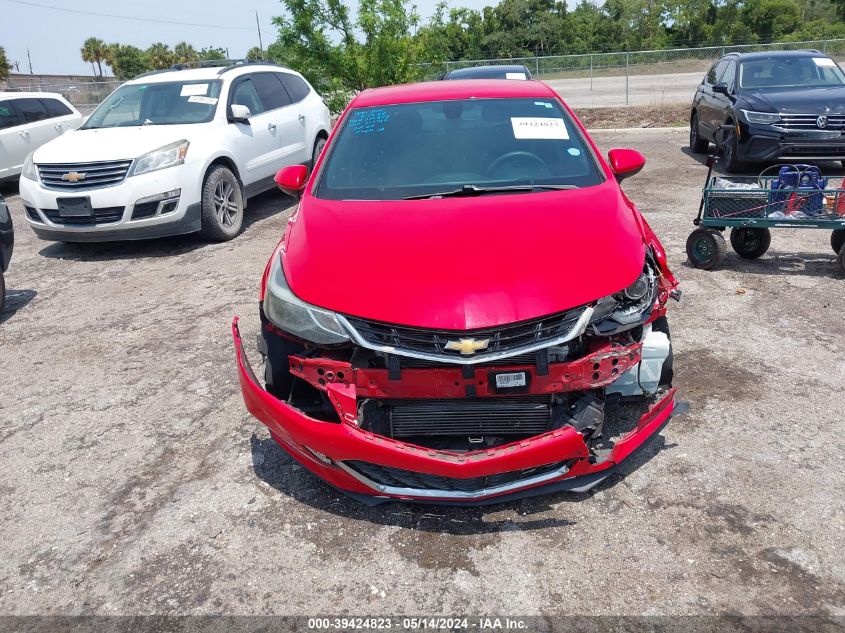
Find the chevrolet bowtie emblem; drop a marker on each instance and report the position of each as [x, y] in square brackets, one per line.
[73, 176]
[467, 346]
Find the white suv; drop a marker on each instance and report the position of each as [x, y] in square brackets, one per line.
[174, 152]
[27, 121]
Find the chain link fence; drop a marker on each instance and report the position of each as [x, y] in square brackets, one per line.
[84, 93]
[632, 77]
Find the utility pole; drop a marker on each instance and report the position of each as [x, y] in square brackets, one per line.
[29, 58]
[258, 26]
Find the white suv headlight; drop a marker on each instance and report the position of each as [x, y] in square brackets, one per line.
[763, 118]
[29, 171]
[161, 158]
[289, 313]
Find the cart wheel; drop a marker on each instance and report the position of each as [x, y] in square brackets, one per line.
[706, 248]
[837, 239]
[750, 243]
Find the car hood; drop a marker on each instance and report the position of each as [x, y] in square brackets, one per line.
[116, 143]
[798, 100]
[464, 263]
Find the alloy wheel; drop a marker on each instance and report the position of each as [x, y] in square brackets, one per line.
[225, 204]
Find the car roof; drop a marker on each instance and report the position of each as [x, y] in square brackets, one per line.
[29, 95]
[491, 69]
[776, 55]
[450, 90]
[206, 72]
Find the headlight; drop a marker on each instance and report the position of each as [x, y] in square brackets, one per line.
[161, 158]
[627, 308]
[764, 118]
[289, 313]
[29, 170]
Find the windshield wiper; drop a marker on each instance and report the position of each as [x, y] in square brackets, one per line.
[475, 190]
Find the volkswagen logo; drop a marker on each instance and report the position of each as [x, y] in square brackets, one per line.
[821, 122]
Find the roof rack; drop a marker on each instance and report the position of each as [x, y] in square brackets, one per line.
[237, 63]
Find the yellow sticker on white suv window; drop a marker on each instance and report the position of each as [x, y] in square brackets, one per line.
[535, 127]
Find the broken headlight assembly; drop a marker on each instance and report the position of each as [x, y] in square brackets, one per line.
[627, 308]
[292, 315]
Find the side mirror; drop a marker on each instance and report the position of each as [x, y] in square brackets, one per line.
[292, 179]
[240, 114]
[625, 162]
[721, 88]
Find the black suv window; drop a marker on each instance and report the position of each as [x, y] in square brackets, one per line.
[244, 93]
[271, 91]
[710, 77]
[730, 76]
[55, 108]
[296, 87]
[8, 117]
[31, 110]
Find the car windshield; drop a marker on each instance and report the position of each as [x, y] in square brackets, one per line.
[157, 103]
[794, 72]
[443, 147]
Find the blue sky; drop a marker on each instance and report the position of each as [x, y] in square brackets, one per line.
[55, 37]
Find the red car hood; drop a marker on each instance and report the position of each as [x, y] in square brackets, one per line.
[463, 263]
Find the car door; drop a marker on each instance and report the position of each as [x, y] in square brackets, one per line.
[62, 117]
[255, 144]
[12, 148]
[707, 108]
[306, 121]
[724, 103]
[290, 128]
[36, 127]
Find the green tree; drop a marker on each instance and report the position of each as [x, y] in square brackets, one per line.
[5, 66]
[128, 62]
[211, 53]
[160, 56]
[93, 51]
[184, 53]
[771, 19]
[255, 53]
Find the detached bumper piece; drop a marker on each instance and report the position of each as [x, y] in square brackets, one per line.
[393, 437]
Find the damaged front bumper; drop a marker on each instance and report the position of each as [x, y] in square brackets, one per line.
[375, 468]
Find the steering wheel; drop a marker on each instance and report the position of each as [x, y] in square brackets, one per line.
[515, 156]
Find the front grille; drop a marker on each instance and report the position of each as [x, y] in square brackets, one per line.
[514, 337]
[814, 150]
[106, 215]
[399, 478]
[805, 122]
[77, 176]
[529, 358]
[471, 417]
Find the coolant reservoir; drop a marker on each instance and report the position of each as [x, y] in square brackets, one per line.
[644, 377]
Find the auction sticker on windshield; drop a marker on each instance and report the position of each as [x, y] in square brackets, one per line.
[824, 62]
[530, 127]
[194, 89]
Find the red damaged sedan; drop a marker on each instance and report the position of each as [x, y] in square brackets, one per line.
[464, 304]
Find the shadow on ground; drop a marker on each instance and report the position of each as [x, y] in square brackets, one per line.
[15, 300]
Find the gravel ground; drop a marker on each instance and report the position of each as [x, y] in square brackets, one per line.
[135, 482]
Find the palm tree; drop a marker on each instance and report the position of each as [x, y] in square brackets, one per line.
[185, 53]
[94, 51]
[160, 56]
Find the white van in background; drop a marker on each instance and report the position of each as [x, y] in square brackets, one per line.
[27, 121]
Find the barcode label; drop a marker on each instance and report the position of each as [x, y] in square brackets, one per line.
[503, 381]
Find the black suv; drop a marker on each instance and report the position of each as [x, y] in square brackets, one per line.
[785, 105]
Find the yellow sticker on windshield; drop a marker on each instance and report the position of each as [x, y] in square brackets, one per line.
[535, 127]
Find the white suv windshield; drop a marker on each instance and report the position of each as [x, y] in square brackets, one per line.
[158, 103]
[417, 149]
[790, 72]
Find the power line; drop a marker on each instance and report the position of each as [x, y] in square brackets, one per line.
[128, 17]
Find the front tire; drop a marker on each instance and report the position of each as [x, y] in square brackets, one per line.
[222, 205]
[667, 373]
[697, 144]
[2, 291]
[706, 248]
[750, 243]
[841, 258]
[730, 154]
